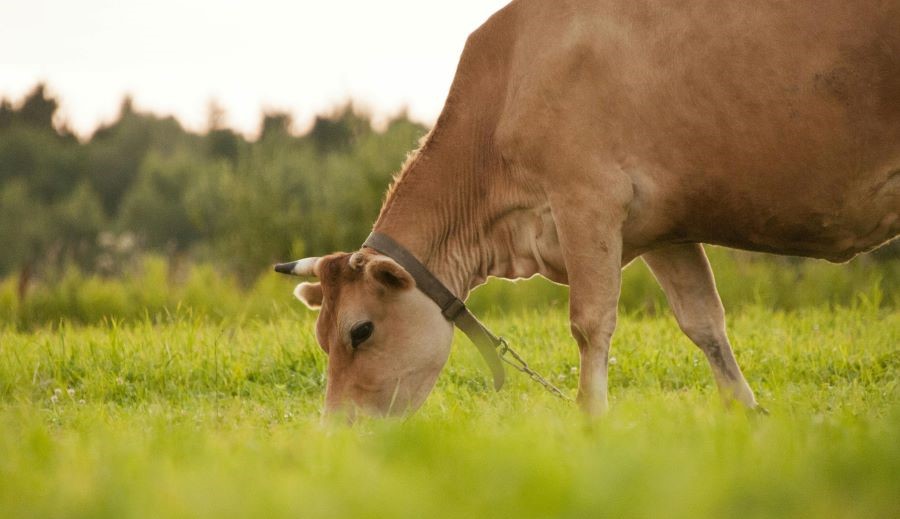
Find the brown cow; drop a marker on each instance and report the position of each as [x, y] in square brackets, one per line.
[579, 135]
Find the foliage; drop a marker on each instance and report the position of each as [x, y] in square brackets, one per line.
[154, 287]
[199, 197]
[159, 205]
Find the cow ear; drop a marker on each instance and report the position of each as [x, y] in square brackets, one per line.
[389, 273]
[310, 294]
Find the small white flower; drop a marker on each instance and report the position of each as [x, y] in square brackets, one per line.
[612, 360]
[81, 401]
[54, 398]
[57, 392]
[71, 392]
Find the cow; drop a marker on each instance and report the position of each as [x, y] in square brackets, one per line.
[579, 135]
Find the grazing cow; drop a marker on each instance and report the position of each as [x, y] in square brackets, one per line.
[579, 135]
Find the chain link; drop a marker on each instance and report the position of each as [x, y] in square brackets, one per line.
[519, 364]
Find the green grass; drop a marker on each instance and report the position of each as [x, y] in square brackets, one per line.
[151, 287]
[195, 417]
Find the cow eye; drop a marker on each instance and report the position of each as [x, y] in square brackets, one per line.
[361, 332]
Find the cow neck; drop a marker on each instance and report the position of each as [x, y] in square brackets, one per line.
[456, 187]
[435, 211]
[463, 223]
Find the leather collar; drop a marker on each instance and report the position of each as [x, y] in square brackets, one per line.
[453, 309]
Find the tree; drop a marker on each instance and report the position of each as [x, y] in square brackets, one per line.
[340, 131]
[7, 114]
[23, 227]
[116, 151]
[38, 108]
[75, 222]
[154, 208]
[276, 125]
[221, 142]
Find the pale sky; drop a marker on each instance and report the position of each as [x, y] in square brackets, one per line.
[175, 56]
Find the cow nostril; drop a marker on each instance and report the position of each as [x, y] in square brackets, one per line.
[361, 332]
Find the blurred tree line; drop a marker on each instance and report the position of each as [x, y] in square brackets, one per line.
[143, 184]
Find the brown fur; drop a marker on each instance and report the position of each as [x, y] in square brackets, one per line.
[579, 135]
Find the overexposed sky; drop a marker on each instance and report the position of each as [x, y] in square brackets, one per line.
[175, 56]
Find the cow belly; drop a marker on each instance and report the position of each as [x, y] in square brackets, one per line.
[865, 218]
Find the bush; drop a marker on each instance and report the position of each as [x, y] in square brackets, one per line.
[154, 288]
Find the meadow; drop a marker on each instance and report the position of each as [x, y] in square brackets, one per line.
[186, 413]
[148, 368]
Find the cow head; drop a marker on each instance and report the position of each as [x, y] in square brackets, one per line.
[386, 341]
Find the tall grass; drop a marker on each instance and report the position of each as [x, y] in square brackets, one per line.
[153, 291]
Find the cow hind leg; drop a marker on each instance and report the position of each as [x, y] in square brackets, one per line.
[685, 276]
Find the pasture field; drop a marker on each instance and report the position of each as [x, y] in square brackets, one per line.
[193, 417]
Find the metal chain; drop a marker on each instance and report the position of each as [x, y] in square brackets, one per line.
[519, 364]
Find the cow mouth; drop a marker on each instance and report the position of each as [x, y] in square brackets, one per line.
[403, 397]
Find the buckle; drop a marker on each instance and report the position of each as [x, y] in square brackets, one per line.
[453, 309]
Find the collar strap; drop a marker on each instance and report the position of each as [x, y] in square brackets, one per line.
[453, 309]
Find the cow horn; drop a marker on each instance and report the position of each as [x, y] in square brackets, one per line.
[303, 267]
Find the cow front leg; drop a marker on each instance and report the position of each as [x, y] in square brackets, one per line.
[589, 229]
[685, 276]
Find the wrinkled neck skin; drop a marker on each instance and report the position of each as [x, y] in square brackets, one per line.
[467, 215]
[468, 223]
